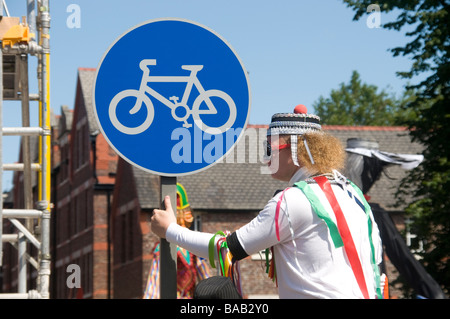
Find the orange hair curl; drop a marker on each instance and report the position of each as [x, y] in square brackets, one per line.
[327, 152]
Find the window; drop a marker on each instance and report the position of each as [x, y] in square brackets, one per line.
[81, 151]
[127, 237]
[130, 230]
[197, 223]
[123, 246]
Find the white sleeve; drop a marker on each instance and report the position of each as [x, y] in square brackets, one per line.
[193, 241]
[259, 234]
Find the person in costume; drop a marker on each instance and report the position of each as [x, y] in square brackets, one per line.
[190, 268]
[319, 233]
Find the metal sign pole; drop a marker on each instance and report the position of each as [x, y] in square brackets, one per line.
[168, 267]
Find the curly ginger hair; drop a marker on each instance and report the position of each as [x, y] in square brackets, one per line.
[327, 152]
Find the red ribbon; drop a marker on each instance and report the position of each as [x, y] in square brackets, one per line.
[349, 245]
[277, 213]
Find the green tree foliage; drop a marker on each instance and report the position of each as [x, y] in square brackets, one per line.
[427, 24]
[357, 103]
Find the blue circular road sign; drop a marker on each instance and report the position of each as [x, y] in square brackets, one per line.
[171, 97]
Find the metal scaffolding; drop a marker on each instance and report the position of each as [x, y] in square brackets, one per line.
[21, 38]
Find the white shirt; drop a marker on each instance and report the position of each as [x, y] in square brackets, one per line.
[307, 263]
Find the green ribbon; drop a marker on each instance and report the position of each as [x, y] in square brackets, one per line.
[222, 267]
[367, 210]
[211, 248]
[321, 212]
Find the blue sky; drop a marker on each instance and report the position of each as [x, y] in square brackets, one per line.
[294, 50]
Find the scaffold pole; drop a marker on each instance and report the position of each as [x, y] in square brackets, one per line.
[21, 39]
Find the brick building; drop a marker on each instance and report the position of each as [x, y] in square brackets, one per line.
[102, 204]
[82, 184]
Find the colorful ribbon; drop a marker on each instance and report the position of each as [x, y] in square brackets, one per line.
[332, 227]
[211, 248]
[228, 266]
[321, 212]
[349, 245]
[277, 214]
[367, 210]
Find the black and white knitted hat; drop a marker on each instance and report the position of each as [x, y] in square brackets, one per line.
[297, 123]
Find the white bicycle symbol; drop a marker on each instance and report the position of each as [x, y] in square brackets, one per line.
[172, 102]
